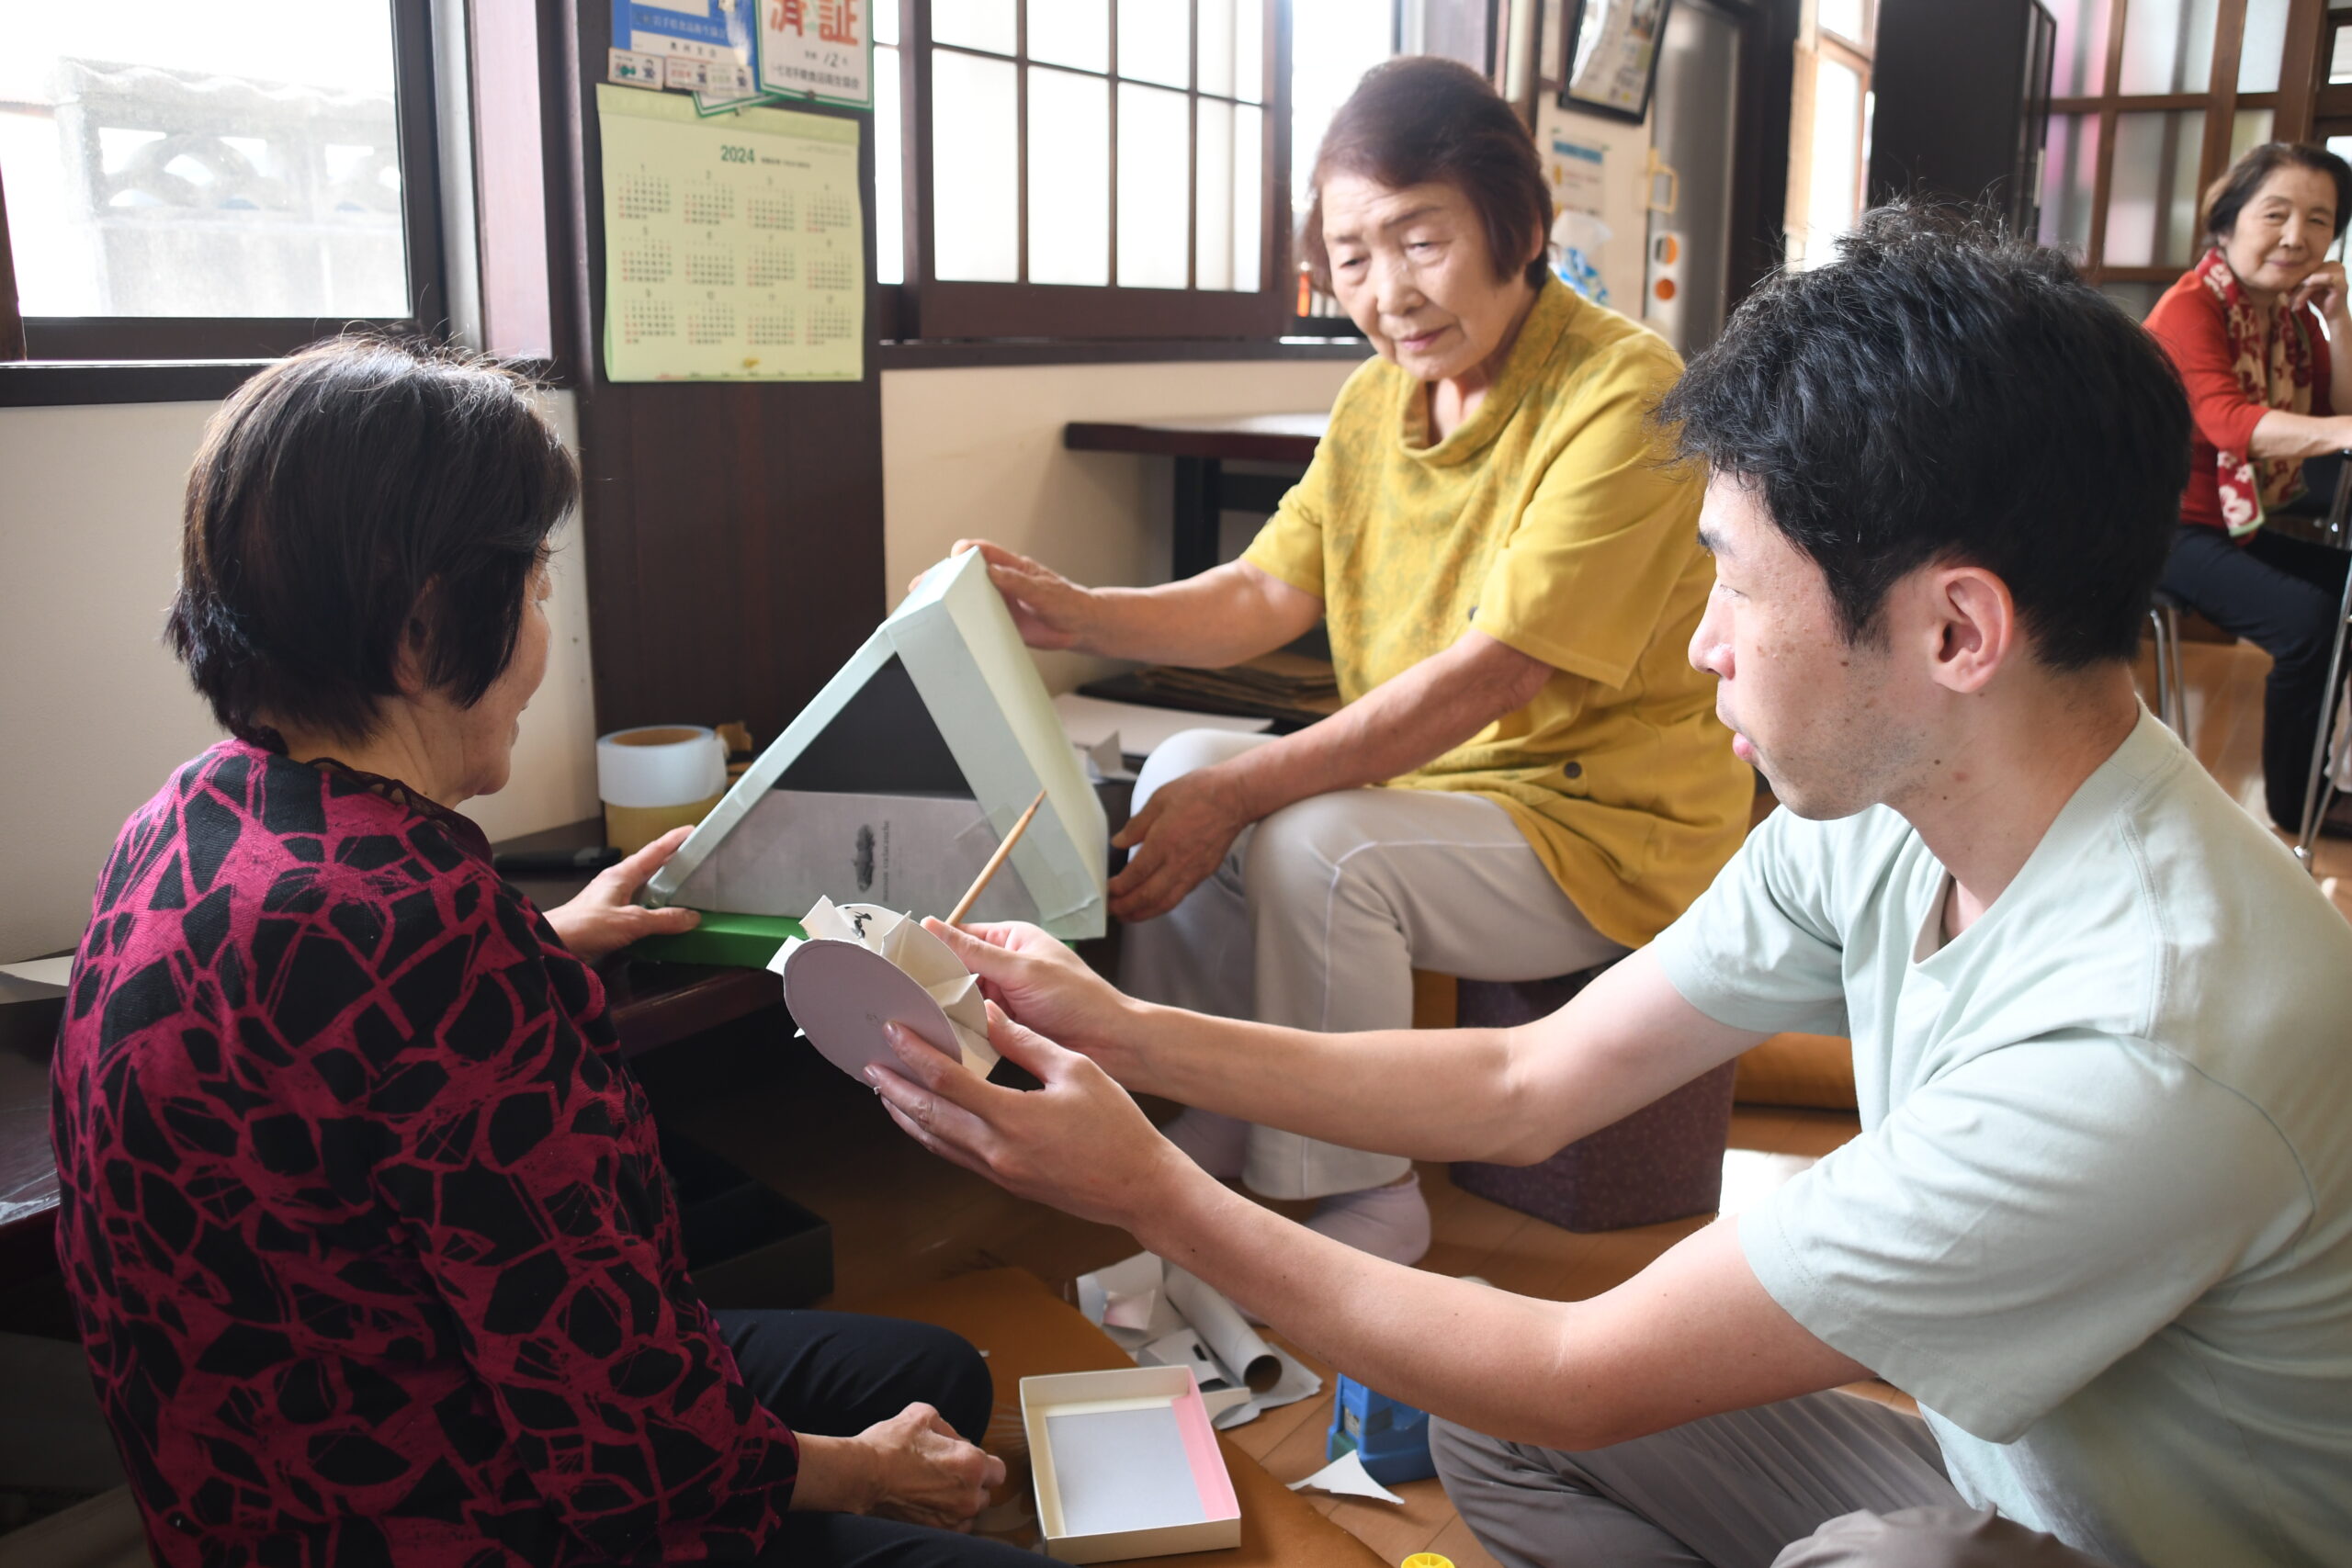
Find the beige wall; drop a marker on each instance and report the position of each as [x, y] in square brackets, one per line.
[978, 454]
[96, 713]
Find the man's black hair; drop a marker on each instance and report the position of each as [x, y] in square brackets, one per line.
[1943, 392]
[345, 495]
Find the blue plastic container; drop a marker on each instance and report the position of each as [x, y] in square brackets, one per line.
[1394, 1438]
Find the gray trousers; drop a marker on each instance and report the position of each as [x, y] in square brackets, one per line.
[1828, 1481]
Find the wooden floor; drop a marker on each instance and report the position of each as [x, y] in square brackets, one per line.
[901, 1217]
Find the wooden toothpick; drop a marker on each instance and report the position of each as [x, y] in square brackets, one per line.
[979, 883]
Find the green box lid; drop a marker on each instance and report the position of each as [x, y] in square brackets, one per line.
[732, 942]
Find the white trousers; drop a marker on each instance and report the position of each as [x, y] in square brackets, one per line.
[1319, 915]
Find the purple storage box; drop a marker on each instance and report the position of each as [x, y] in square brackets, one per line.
[1664, 1162]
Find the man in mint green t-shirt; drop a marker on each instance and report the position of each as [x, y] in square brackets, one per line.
[2099, 1220]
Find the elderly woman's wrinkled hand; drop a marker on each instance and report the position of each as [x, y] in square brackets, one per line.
[2324, 287]
[1179, 839]
[927, 1474]
[1052, 612]
[605, 915]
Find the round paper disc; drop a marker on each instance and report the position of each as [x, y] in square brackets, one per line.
[841, 995]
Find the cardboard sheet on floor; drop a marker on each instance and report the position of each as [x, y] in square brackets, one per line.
[901, 776]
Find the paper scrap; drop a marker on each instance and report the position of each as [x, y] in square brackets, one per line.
[1220, 1401]
[1105, 761]
[915, 952]
[1088, 721]
[1130, 1312]
[1346, 1477]
[1131, 1278]
[1211, 1344]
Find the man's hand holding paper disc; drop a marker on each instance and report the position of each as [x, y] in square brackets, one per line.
[1037, 979]
[1079, 1142]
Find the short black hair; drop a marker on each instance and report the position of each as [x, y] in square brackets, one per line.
[345, 494]
[1421, 119]
[2227, 197]
[1945, 393]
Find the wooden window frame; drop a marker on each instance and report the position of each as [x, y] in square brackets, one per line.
[94, 343]
[2299, 94]
[1816, 43]
[2330, 102]
[933, 309]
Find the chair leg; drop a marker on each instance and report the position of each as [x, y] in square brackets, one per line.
[2180, 681]
[2160, 629]
[2315, 796]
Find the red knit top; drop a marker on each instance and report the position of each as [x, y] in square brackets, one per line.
[2188, 321]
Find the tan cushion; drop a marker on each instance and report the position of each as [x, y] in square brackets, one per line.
[1815, 1070]
[1028, 1332]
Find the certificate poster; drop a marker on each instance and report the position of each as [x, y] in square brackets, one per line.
[820, 49]
[733, 247]
[716, 31]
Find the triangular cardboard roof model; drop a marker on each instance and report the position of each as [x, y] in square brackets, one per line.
[942, 697]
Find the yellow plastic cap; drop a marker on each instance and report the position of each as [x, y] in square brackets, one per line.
[1426, 1559]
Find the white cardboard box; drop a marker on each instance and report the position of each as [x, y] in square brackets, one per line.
[1126, 1464]
[941, 699]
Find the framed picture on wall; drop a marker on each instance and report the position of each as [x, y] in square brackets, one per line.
[1611, 56]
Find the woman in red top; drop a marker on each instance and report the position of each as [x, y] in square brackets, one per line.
[2245, 328]
[363, 1217]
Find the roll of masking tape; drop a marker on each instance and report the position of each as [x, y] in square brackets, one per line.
[657, 778]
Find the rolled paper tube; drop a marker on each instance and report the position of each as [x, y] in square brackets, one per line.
[656, 778]
[1223, 1330]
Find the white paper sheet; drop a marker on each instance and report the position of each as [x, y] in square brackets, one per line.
[1122, 1469]
[1346, 1477]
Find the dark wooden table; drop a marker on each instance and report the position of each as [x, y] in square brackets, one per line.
[653, 1005]
[1202, 447]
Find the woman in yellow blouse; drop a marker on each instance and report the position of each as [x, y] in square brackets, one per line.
[1510, 578]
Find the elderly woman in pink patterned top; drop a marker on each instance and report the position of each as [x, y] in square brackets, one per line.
[363, 1216]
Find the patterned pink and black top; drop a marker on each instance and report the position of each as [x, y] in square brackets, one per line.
[363, 1217]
